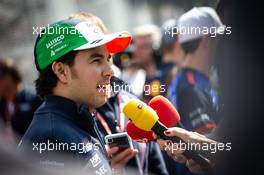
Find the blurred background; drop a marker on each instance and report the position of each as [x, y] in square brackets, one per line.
[19, 18]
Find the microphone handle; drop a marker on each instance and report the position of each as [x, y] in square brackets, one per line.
[159, 129]
[179, 124]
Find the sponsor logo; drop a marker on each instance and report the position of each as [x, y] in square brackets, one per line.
[96, 41]
[95, 160]
[54, 41]
[52, 53]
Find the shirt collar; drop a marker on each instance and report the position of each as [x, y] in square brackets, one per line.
[62, 104]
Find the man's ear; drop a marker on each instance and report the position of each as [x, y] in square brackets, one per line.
[61, 71]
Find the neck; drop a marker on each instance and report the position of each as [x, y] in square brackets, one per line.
[168, 58]
[60, 91]
[198, 61]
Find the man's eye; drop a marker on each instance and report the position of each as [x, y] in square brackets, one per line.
[109, 58]
[96, 60]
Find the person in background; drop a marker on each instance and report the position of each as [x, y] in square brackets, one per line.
[17, 105]
[111, 120]
[5, 81]
[146, 55]
[171, 51]
[191, 90]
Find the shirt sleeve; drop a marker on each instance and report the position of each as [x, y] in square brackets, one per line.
[196, 110]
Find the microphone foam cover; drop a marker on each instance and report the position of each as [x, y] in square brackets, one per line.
[138, 134]
[167, 113]
[143, 116]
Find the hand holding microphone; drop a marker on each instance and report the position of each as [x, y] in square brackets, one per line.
[176, 154]
[145, 118]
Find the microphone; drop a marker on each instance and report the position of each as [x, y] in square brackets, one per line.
[167, 113]
[168, 116]
[138, 134]
[145, 118]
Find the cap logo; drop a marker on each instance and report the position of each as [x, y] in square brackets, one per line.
[140, 106]
[52, 53]
[96, 41]
[54, 41]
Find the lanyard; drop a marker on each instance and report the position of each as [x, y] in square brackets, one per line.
[120, 118]
[103, 123]
[142, 146]
[121, 126]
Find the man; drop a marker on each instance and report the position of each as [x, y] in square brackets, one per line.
[18, 105]
[241, 77]
[73, 58]
[117, 159]
[5, 82]
[190, 90]
[171, 51]
[170, 47]
[109, 117]
[146, 44]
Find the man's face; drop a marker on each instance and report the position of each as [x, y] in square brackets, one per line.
[143, 49]
[178, 53]
[90, 76]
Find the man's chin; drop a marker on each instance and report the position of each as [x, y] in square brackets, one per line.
[100, 102]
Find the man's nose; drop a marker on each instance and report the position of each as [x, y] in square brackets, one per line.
[108, 71]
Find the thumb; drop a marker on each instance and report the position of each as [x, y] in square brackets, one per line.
[112, 150]
[179, 132]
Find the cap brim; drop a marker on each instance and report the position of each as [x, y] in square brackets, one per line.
[115, 43]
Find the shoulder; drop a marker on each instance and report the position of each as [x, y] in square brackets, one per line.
[40, 128]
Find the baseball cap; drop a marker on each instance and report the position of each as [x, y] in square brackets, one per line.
[169, 32]
[151, 30]
[198, 22]
[64, 36]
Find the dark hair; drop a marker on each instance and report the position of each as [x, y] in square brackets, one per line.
[47, 79]
[191, 46]
[7, 67]
[15, 74]
[4, 70]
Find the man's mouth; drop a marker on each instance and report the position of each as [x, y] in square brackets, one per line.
[103, 88]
